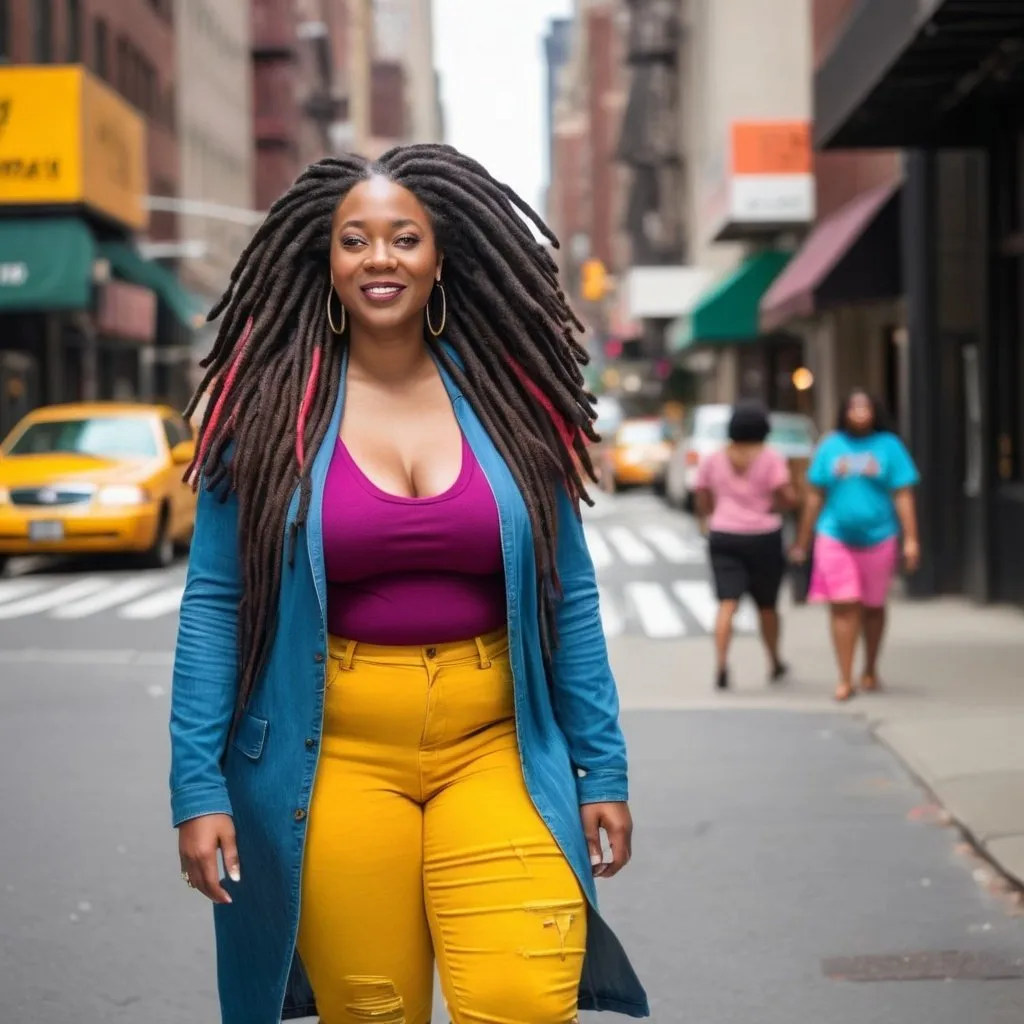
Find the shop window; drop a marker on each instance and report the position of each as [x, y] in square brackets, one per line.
[73, 32]
[42, 31]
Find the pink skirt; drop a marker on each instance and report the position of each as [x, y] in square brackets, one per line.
[841, 574]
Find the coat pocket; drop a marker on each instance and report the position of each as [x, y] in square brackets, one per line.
[250, 736]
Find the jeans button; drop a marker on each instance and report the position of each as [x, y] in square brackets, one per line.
[310, 744]
[431, 652]
[299, 814]
[318, 657]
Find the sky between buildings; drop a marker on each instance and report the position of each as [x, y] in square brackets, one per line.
[491, 58]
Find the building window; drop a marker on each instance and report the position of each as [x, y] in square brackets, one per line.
[73, 32]
[42, 32]
[100, 45]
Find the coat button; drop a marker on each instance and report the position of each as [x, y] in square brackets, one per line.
[319, 657]
[310, 744]
[299, 814]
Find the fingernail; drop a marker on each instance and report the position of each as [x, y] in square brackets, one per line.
[595, 859]
[234, 874]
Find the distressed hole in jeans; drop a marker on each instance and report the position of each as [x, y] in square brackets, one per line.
[558, 916]
[375, 999]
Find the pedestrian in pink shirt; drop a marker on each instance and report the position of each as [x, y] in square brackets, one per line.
[741, 491]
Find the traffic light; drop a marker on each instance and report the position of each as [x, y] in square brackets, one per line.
[593, 281]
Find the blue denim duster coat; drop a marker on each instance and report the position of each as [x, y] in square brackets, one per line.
[571, 746]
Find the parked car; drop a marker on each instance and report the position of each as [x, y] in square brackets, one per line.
[706, 430]
[97, 478]
[636, 455]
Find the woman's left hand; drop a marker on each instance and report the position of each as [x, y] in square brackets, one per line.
[617, 823]
[911, 555]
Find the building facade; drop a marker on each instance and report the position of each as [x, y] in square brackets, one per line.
[85, 314]
[215, 128]
[942, 80]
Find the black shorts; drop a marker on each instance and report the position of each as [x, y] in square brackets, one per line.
[748, 563]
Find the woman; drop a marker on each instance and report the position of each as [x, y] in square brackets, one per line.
[862, 480]
[741, 490]
[389, 601]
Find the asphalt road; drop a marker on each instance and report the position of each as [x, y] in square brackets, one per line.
[768, 841]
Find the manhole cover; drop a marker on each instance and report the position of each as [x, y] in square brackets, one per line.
[924, 966]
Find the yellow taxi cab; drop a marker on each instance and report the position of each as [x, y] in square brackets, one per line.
[97, 478]
[636, 455]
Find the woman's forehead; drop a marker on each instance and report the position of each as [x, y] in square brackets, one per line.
[379, 199]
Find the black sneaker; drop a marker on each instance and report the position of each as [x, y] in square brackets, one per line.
[722, 682]
[780, 672]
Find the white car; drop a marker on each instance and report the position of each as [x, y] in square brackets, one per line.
[706, 430]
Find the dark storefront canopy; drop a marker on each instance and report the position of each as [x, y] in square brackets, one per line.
[45, 265]
[134, 268]
[918, 73]
[853, 255]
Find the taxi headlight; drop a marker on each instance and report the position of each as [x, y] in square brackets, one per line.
[122, 494]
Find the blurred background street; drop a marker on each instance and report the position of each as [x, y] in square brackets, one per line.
[768, 199]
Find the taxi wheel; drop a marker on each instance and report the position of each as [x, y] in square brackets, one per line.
[161, 554]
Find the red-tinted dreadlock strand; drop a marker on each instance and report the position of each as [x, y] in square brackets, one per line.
[211, 429]
[307, 401]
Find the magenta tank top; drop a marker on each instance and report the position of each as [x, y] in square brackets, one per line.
[411, 571]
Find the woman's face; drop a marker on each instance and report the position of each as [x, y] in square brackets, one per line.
[384, 259]
[860, 413]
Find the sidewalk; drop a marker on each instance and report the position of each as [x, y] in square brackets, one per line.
[952, 709]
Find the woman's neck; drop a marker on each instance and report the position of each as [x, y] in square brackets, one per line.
[388, 358]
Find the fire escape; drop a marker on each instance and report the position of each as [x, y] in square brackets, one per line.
[650, 143]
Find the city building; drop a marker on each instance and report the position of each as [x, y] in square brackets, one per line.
[557, 49]
[842, 292]
[942, 80]
[88, 92]
[215, 130]
[749, 192]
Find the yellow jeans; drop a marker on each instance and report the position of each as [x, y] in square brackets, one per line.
[423, 843]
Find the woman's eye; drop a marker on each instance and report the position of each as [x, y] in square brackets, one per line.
[407, 241]
[351, 242]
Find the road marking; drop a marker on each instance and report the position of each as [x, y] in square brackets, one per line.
[163, 602]
[675, 548]
[52, 598]
[600, 553]
[10, 589]
[653, 606]
[35, 656]
[631, 549]
[116, 594]
[611, 618]
[698, 598]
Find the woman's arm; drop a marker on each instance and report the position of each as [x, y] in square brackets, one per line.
[785, 497]
[703, 506]
[205, 678]
[585, 697]
[906, 510]
[812, 509]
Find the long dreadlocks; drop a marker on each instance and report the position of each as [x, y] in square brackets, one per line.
[274, 371]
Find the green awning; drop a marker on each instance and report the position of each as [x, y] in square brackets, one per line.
[136, 269]
[728, 311]
[45, 265]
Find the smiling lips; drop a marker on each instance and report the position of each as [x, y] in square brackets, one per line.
[382, 292]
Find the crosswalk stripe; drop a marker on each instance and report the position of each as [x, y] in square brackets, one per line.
[745, 619]
[675, 548]
[600, 553]
[699, 601]
[653, 606]
[10, 589]
[116, 594]
[629, 546]
[43, 602]
[612, 622]
[151, 607]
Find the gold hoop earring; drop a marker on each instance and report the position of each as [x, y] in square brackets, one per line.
[444, 313]
[330, 317]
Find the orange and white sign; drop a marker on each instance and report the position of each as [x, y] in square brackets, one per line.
[769, 178]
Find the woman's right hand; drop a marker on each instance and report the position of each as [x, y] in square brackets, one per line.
[198, 842]
[798, 554]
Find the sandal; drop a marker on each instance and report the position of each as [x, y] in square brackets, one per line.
[844, 692]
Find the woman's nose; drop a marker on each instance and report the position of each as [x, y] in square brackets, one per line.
[380, 255]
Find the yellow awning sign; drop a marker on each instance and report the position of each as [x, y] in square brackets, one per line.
[66, 138]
